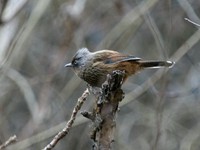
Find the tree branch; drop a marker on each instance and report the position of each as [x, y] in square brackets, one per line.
[10, 141]
[104, 113]
[69, 124]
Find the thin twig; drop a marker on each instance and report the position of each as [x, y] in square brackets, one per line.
[189, 10]
[11, 140]
[69, 124]
[192, 22]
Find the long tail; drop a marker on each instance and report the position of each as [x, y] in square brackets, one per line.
[156, 64]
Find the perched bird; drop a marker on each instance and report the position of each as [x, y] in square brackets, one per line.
[93, 67]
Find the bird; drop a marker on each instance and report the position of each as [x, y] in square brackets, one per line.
[93, 67]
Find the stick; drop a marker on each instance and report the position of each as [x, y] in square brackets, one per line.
[69, 124]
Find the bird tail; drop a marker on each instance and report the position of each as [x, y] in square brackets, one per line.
[156, 64]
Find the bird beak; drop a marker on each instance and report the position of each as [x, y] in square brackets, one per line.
[69, 65]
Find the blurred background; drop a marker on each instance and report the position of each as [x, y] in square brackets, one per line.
[161, 109]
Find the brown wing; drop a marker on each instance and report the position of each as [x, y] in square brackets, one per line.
[117, 59]
[113, 57]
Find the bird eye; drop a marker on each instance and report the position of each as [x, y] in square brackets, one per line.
[75, 61]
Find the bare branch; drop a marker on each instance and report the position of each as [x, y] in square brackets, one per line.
[104, 114]
[69, 124]
[11, 140]
[192, 22]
